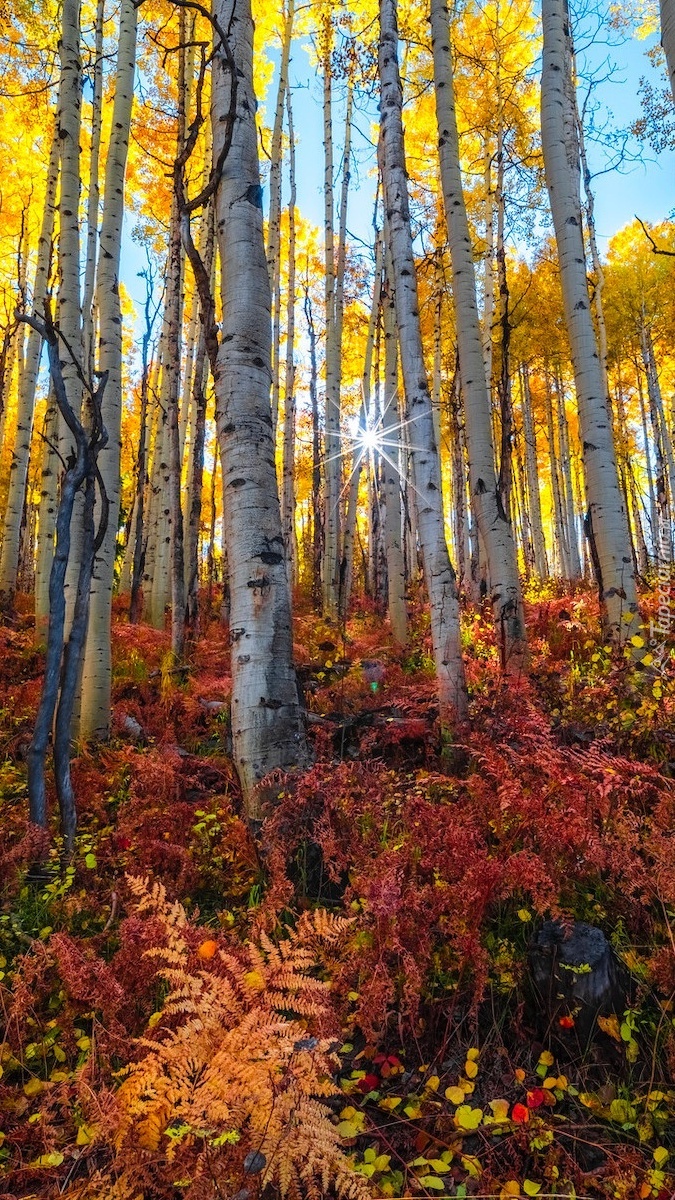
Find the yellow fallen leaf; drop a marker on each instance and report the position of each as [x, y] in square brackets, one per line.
[473, 1054]
[455, 1095]
[433, 1083]
[467, 1117]
[470, 1068]
[546, 1058]
[610, 1026]
[512, 1188]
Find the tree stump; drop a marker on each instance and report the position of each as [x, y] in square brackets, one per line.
[576, 975]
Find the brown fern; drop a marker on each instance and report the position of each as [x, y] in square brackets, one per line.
[231, 1080]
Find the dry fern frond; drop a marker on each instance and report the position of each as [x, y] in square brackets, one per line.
[239, 1081]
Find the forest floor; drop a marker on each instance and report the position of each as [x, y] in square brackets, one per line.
[445, 1070]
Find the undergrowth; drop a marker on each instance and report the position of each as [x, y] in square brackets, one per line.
[348, 1005]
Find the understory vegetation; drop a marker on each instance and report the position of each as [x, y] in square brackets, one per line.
[348, 1003]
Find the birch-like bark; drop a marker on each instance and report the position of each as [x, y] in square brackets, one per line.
[47, 506]
[559, 523]
[317, 526]
[288, 455]
[667, 8]
[532, 471]
[93, 198]
[492, 519]
[566, 470]
[606, 520]
[331, 517]
[439, 575]
[97, 670]
[195, 473]
[361, 453]
[69, 314]
[274, 222]
[392, 478]
[18, 469]
[267, 730]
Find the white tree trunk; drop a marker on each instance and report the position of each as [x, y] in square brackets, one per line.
[668, 38]
[70, 322]
[607, 521]
[440, 577]
[18, 470]
[392, 477]
[274, 223]
[493, 522]
[97, 670]
[88, 318]
[267, 729]
[288, 458]
[46, 516]
[532, 472]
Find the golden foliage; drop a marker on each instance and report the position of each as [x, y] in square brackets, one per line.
[235, 1087]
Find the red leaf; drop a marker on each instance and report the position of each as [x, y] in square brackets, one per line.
[368, 1084]
[566, 1022]
[520, 1114]
[535, 1098]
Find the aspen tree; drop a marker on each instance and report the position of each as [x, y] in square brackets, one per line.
[267, 730]
[46, 514]
[69, 315]
[18, 471]
[93, 197]
[97, 669]
[426, 477]
[392, 479]
[606, 519]
[566, 479]
[288, 455]
[667, 8]
[361, 452]
[493, 521]
[274, 223]
[532, 475]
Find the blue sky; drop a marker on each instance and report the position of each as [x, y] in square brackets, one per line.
[645, 187]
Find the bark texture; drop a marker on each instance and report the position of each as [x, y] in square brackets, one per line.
[439, 575]
[606, 520]
[267, 730]
[492, 519]
[97, 670]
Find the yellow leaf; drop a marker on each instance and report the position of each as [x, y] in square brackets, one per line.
[546, 1058]
[389, 1103]
[520, 1074]
[33, 1087]
[550, 1082]
[610, 1026]
[636, 640]
[467, 1117]
[85, 1135]
[347, 1129]
[471, 1164]
[255, 981]
[472, 1055]
[438, 1165]
[455, 1095]
[524, 914]
[413, 1111]
[467, 1087]
[512, 1188]
[530, 1188]
[54, 1159]
[500, 1110]
[470, 1069]
[154, 1019]
[433, 1083]
[660, 1155]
